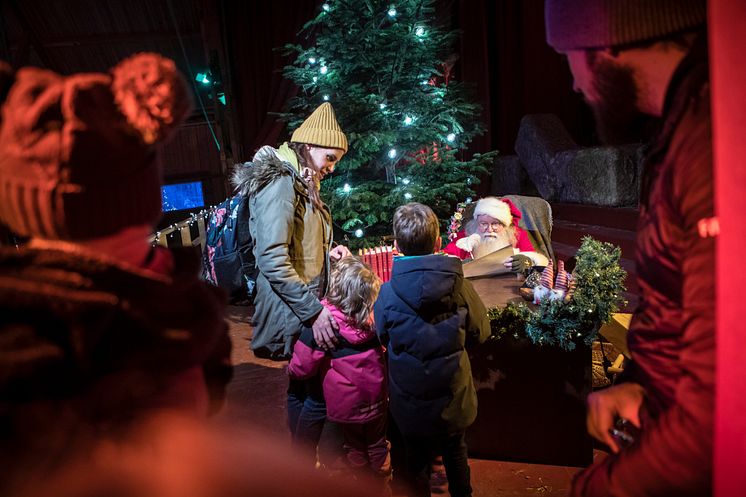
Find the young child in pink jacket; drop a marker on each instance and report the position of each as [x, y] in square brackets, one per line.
[353, 375]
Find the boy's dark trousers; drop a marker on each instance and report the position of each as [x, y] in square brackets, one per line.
[419, 459]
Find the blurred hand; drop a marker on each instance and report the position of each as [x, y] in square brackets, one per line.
[339, 252]
[324, 329]
[605, 406]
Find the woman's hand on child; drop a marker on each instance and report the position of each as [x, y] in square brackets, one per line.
[324, 330]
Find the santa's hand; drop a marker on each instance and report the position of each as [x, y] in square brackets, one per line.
[518, 263]
[468, 243]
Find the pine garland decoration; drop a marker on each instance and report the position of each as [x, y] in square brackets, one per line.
[600, 283]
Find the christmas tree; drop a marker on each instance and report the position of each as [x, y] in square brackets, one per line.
[386, 68]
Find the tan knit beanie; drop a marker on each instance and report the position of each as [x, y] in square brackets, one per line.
[321, 129]
[587, 24]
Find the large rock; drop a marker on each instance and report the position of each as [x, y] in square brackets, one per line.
[564, 172]
[510, 177]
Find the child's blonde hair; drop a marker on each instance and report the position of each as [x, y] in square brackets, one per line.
[353, 289]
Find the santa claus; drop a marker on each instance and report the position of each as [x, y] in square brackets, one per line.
[495, 225]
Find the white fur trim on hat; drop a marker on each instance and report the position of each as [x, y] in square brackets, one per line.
[495, 208]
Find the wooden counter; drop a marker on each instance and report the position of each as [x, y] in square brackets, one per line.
[531, 398]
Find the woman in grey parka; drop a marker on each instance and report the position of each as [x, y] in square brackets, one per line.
[292, 233]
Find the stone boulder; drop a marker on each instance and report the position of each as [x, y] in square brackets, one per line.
[561, 171]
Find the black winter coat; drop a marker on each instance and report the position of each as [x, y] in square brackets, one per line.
[426, 316]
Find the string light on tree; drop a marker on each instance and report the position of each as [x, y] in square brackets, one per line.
[359, 233]
[315, 78]
[392, 11]
[326, 98]
[382, 106]
[323, 69]
[405, 181]
[326, 7]
[408, 120]
[408, 196]
[312, 60]
[451, 137]
[392, 153]
[420, 31]
[346, 188]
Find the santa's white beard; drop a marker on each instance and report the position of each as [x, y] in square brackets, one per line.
[503, 238]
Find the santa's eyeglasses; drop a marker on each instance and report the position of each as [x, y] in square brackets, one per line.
[483, 225]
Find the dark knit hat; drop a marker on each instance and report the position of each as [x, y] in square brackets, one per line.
[78, 154]
[587, 24]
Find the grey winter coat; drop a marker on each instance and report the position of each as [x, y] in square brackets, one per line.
[291, 246]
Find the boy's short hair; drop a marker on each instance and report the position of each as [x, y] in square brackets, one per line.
[415, 229]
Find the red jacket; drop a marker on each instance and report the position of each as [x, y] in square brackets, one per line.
[672, 336]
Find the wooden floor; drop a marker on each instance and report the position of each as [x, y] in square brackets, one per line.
[256, 397]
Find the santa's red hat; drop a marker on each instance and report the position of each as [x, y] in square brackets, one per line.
[495, 208]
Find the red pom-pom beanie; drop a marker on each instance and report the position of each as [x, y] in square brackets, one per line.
[79, 154]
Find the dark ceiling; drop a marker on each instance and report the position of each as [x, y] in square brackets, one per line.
[70, 36]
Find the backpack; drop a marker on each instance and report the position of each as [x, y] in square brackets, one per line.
[228, 257]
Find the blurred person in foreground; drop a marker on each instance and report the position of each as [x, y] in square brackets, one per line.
[170, 454]
[98, 329]
[649, 58]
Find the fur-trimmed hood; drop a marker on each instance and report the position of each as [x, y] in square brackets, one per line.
[266, 166]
